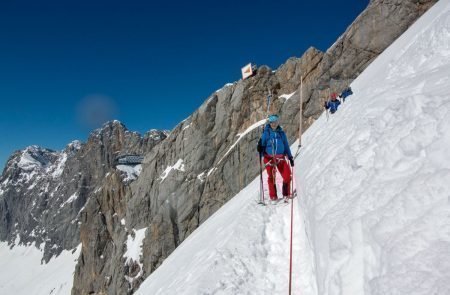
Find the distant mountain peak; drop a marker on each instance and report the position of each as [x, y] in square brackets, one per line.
[74, 146]
[36, 157]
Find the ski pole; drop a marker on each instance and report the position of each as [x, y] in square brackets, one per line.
[261, 187]
[325, 107]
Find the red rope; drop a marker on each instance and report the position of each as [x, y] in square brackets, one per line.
[292, 226]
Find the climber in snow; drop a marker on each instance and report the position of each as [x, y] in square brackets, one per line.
[273, 147]
[333, 103]
[346, 92]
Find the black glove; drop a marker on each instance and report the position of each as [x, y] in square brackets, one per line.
[260, 148]
[291, 160]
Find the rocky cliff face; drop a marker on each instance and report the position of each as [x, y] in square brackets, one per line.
[185, 178]
[43, 192]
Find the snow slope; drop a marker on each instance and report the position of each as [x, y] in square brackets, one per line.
[241, 249]
[379, 212]
[373, 213]
[21, 271]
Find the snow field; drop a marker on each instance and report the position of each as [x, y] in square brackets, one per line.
[22, 273]
[380, 210]
[242, 249]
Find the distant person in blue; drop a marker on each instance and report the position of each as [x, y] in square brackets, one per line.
[347, 92]
[273, 146]
[333, 103]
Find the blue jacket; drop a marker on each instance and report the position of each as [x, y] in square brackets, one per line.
[347, 92]
[275, 142]
[332, 105]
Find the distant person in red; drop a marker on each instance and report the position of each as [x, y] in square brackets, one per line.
[274, 148]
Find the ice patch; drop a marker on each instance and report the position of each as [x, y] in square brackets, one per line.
[61, 164]
[134, 252]
[211, 171]
[224, 86]
[69, 200]
[186, 127]
[201, 176]
[287, 96]
[132, 172]
[134, 245]
[27, 162]
[242, 135]
[179, 166]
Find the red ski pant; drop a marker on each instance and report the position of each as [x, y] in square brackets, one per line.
[272, 164]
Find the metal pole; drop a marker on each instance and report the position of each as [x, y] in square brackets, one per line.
[269, 100]
[326, 100]
[261, 186]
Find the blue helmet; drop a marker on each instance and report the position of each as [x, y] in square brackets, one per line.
[273, 118]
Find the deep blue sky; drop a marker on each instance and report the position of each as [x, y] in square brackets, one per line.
[152, 63]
